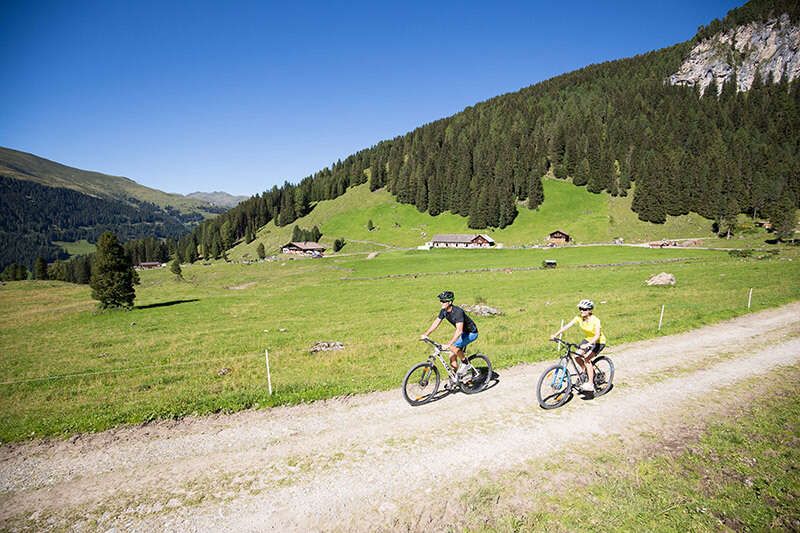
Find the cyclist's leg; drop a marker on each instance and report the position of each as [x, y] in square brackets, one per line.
[461, 346]
[584, 362]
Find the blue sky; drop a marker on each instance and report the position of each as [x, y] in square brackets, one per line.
[240, 96]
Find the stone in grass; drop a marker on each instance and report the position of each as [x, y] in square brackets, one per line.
[223, 371]
[482, 310]
[323, 346]
[662, 279]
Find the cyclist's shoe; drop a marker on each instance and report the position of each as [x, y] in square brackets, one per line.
[587, 387]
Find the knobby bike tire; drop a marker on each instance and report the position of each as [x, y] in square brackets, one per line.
[484, 367]
[603, 375]
[554, 386]
[421, 383]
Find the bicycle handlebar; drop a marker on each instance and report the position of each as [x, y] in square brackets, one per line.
[562, 341]
[438, 346]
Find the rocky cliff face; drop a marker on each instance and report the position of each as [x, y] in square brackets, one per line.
[764, 47]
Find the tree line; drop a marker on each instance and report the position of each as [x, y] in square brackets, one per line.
[32, 216]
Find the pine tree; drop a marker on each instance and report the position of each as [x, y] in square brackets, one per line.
[40, 268]
[112, 276]
[370, 225]
[262, 253]
[175, 268]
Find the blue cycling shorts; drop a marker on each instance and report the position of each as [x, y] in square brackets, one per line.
[465, 339]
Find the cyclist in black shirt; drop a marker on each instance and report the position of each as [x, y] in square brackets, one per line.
[465, 333]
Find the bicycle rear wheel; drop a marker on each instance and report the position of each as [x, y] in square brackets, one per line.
[553, 388]
[481, 375]
[603, 375]
[421, 383]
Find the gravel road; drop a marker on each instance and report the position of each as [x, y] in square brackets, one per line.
[361, 462]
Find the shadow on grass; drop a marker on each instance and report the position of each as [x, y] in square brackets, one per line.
[166, 304]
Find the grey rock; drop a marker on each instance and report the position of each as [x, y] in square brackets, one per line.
[323, 346]
[767, 47]
[662, 279]
[482, 310]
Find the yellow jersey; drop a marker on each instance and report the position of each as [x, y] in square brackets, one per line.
[590, 327]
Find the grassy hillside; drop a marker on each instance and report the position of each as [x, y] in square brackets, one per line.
[24, 166]
[68, 368]
[587, 217]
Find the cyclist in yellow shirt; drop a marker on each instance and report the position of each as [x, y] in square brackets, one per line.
[593, 343]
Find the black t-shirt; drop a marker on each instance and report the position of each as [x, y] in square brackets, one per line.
[457, 315]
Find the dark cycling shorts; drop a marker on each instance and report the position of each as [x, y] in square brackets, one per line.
[597, 347]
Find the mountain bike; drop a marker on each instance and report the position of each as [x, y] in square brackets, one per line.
[422, 382]
[557, 381]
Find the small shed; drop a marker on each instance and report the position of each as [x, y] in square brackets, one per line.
[559, 237]
[303, 248]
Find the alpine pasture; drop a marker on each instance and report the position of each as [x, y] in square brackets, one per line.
[196, 346]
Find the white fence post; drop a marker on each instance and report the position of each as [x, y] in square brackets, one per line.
[269, 379]
[560, 335]
[749, 298]
[661, 318]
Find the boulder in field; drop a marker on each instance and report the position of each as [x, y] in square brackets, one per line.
[482, 310]
[662, 279]
[323, 346]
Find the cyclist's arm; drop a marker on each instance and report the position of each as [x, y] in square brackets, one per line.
[457, 334]
[435, 325]
[563, 329]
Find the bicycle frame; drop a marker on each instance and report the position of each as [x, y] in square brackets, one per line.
[569, 357]
[437, 353]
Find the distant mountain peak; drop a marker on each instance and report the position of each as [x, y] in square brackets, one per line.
[220, 198]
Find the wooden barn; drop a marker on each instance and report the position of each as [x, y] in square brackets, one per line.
[559, 237]
[303, 248]
[455, 240]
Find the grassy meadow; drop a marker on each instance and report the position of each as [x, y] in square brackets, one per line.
[587, 217]
[197, 345]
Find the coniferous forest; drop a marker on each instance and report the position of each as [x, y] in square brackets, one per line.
[615, 127]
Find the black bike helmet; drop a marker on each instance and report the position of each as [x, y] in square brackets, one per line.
[446, 296]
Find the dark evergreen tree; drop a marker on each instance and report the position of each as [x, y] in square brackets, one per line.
[112, 276]
[40, 268]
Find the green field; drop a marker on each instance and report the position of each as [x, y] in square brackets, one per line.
[67, 368]
[587, 217]
[82, 247]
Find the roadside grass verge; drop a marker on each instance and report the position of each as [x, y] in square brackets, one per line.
[197, 346]
[740, 474]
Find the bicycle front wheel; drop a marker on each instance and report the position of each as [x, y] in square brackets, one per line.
[603, 375]
[553, 388]
[480, 374]
[421, 383]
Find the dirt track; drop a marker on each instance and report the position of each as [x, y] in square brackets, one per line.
[360, 463]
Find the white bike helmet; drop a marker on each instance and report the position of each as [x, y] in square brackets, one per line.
[586, 304]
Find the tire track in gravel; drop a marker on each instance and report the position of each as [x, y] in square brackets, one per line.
[353, 463]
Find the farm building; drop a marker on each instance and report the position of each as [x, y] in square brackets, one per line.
[148, 265]
[558, 237]
[449, 240]
[303, 248]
